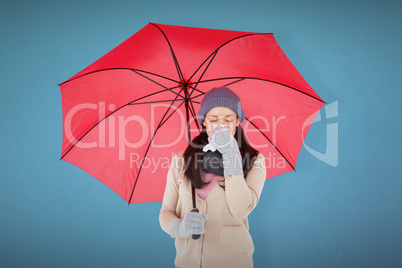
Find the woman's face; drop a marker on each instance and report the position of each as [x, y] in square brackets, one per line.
[221, 116]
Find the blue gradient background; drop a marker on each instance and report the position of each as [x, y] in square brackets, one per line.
[52, 214]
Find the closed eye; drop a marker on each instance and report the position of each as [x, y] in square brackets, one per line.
[228, 118]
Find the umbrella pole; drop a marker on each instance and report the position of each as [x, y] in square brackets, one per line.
[186, 98]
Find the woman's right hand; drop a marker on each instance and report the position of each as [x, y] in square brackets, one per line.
[192, 223]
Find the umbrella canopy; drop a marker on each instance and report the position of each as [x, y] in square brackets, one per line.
[125, 115]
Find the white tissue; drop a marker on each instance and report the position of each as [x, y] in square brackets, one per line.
[209, 147]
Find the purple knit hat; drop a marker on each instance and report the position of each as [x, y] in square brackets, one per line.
[220, 96]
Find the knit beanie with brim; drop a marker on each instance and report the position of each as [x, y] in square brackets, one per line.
[220, 96]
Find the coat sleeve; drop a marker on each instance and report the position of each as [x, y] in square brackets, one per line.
[242, 195]
[168, 211]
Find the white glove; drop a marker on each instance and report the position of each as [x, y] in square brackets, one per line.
[221, 139]
[193, 223]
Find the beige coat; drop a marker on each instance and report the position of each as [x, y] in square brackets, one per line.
[227, 241]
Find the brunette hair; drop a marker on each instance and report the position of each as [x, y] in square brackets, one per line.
[192, 156]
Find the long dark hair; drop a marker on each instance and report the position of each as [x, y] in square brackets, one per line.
[192, 156]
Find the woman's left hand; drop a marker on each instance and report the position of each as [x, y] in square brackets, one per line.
[221, 138]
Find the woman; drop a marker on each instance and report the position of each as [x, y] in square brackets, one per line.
[228, 175]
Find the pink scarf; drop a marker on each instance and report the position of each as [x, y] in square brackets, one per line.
[212, 179]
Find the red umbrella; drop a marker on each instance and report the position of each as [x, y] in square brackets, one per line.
[125, 115]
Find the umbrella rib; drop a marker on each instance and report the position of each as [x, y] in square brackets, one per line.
[164, 121]
[194, 116]
[213, 57]
[173, 54]
[146, 77]
[149, 145]
[130, 103]
[216, 50]
[149, 95]
[234, 82]
[158, 75]
[110, 69]
[194, 97]
[271, 143]
[266, 80]
[192, 110]
[196, 89]
[149, 102]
